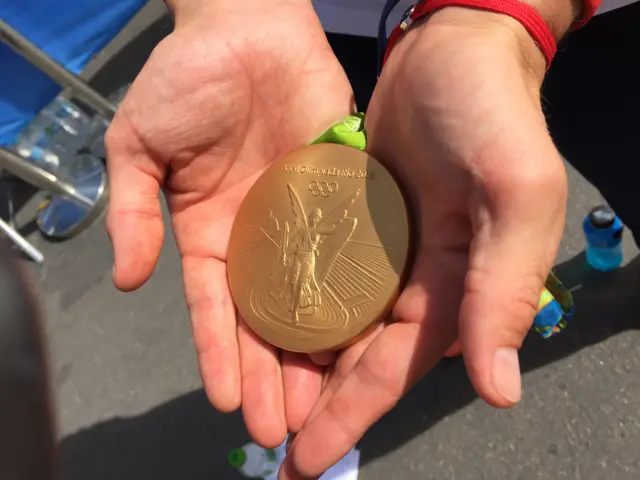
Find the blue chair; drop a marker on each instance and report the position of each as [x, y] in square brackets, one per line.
[44, 46]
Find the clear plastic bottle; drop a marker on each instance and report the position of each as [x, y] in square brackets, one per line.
[58, 131]
[254, 461]
[95, 138]
[62, 129]
[117, 96]
[98, 125]
[603, 233]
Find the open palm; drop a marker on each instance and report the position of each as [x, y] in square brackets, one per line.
[220, 99]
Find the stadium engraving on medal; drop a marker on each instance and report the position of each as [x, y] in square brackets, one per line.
[311, 264]
[298, 280]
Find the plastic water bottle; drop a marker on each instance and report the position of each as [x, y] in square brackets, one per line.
[254, 461]
[603, 232]
[98, 125]
[95, 138]
[118, 95]
[58, 131]
[62, 129]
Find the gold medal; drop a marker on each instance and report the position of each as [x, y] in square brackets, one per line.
[319, 249]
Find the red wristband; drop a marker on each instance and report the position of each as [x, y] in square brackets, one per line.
[525, 14]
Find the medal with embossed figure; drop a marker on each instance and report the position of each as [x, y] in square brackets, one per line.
[319, 249]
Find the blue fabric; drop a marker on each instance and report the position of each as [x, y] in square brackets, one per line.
[69, 31]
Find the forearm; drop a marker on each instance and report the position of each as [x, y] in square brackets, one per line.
[459, 21]
[195, 8]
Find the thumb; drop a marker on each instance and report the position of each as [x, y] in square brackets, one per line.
[518, 224]
[134, 221]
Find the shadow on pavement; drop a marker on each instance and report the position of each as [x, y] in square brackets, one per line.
[186, 438]
[182, 439]
[606, 304]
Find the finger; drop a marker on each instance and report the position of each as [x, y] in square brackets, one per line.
[262, 394]
[290, 440]
[454, 350]
[213, 321]
[302, 380]
[323, 358]
[388, 368]
[516, 237]
[303, 388]
[379, 379]
[134, 220]
[336, 374]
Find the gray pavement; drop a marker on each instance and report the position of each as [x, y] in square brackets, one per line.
[130, 405]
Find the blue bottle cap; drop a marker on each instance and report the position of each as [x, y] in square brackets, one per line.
[602, 217]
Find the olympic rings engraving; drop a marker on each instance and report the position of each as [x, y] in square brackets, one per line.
[322, 189]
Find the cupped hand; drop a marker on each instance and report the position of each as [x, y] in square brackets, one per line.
[236, 86]
[457, 117]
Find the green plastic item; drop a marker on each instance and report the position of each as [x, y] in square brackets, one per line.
[237, 458]
[349, 132]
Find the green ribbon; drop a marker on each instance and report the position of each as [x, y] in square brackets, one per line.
[349, 132]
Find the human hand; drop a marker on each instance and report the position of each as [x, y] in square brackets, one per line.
[236, 86]
[457, 117]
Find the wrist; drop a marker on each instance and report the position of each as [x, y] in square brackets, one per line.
[542, 22]
[185, 11]
[560, 15]
[503, 35]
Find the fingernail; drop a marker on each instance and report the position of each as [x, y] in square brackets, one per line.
[506, 374]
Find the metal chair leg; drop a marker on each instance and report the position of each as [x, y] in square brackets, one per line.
[21, 242]
[10, 204]
[10, 230]
[76, 201]
[57, 72]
